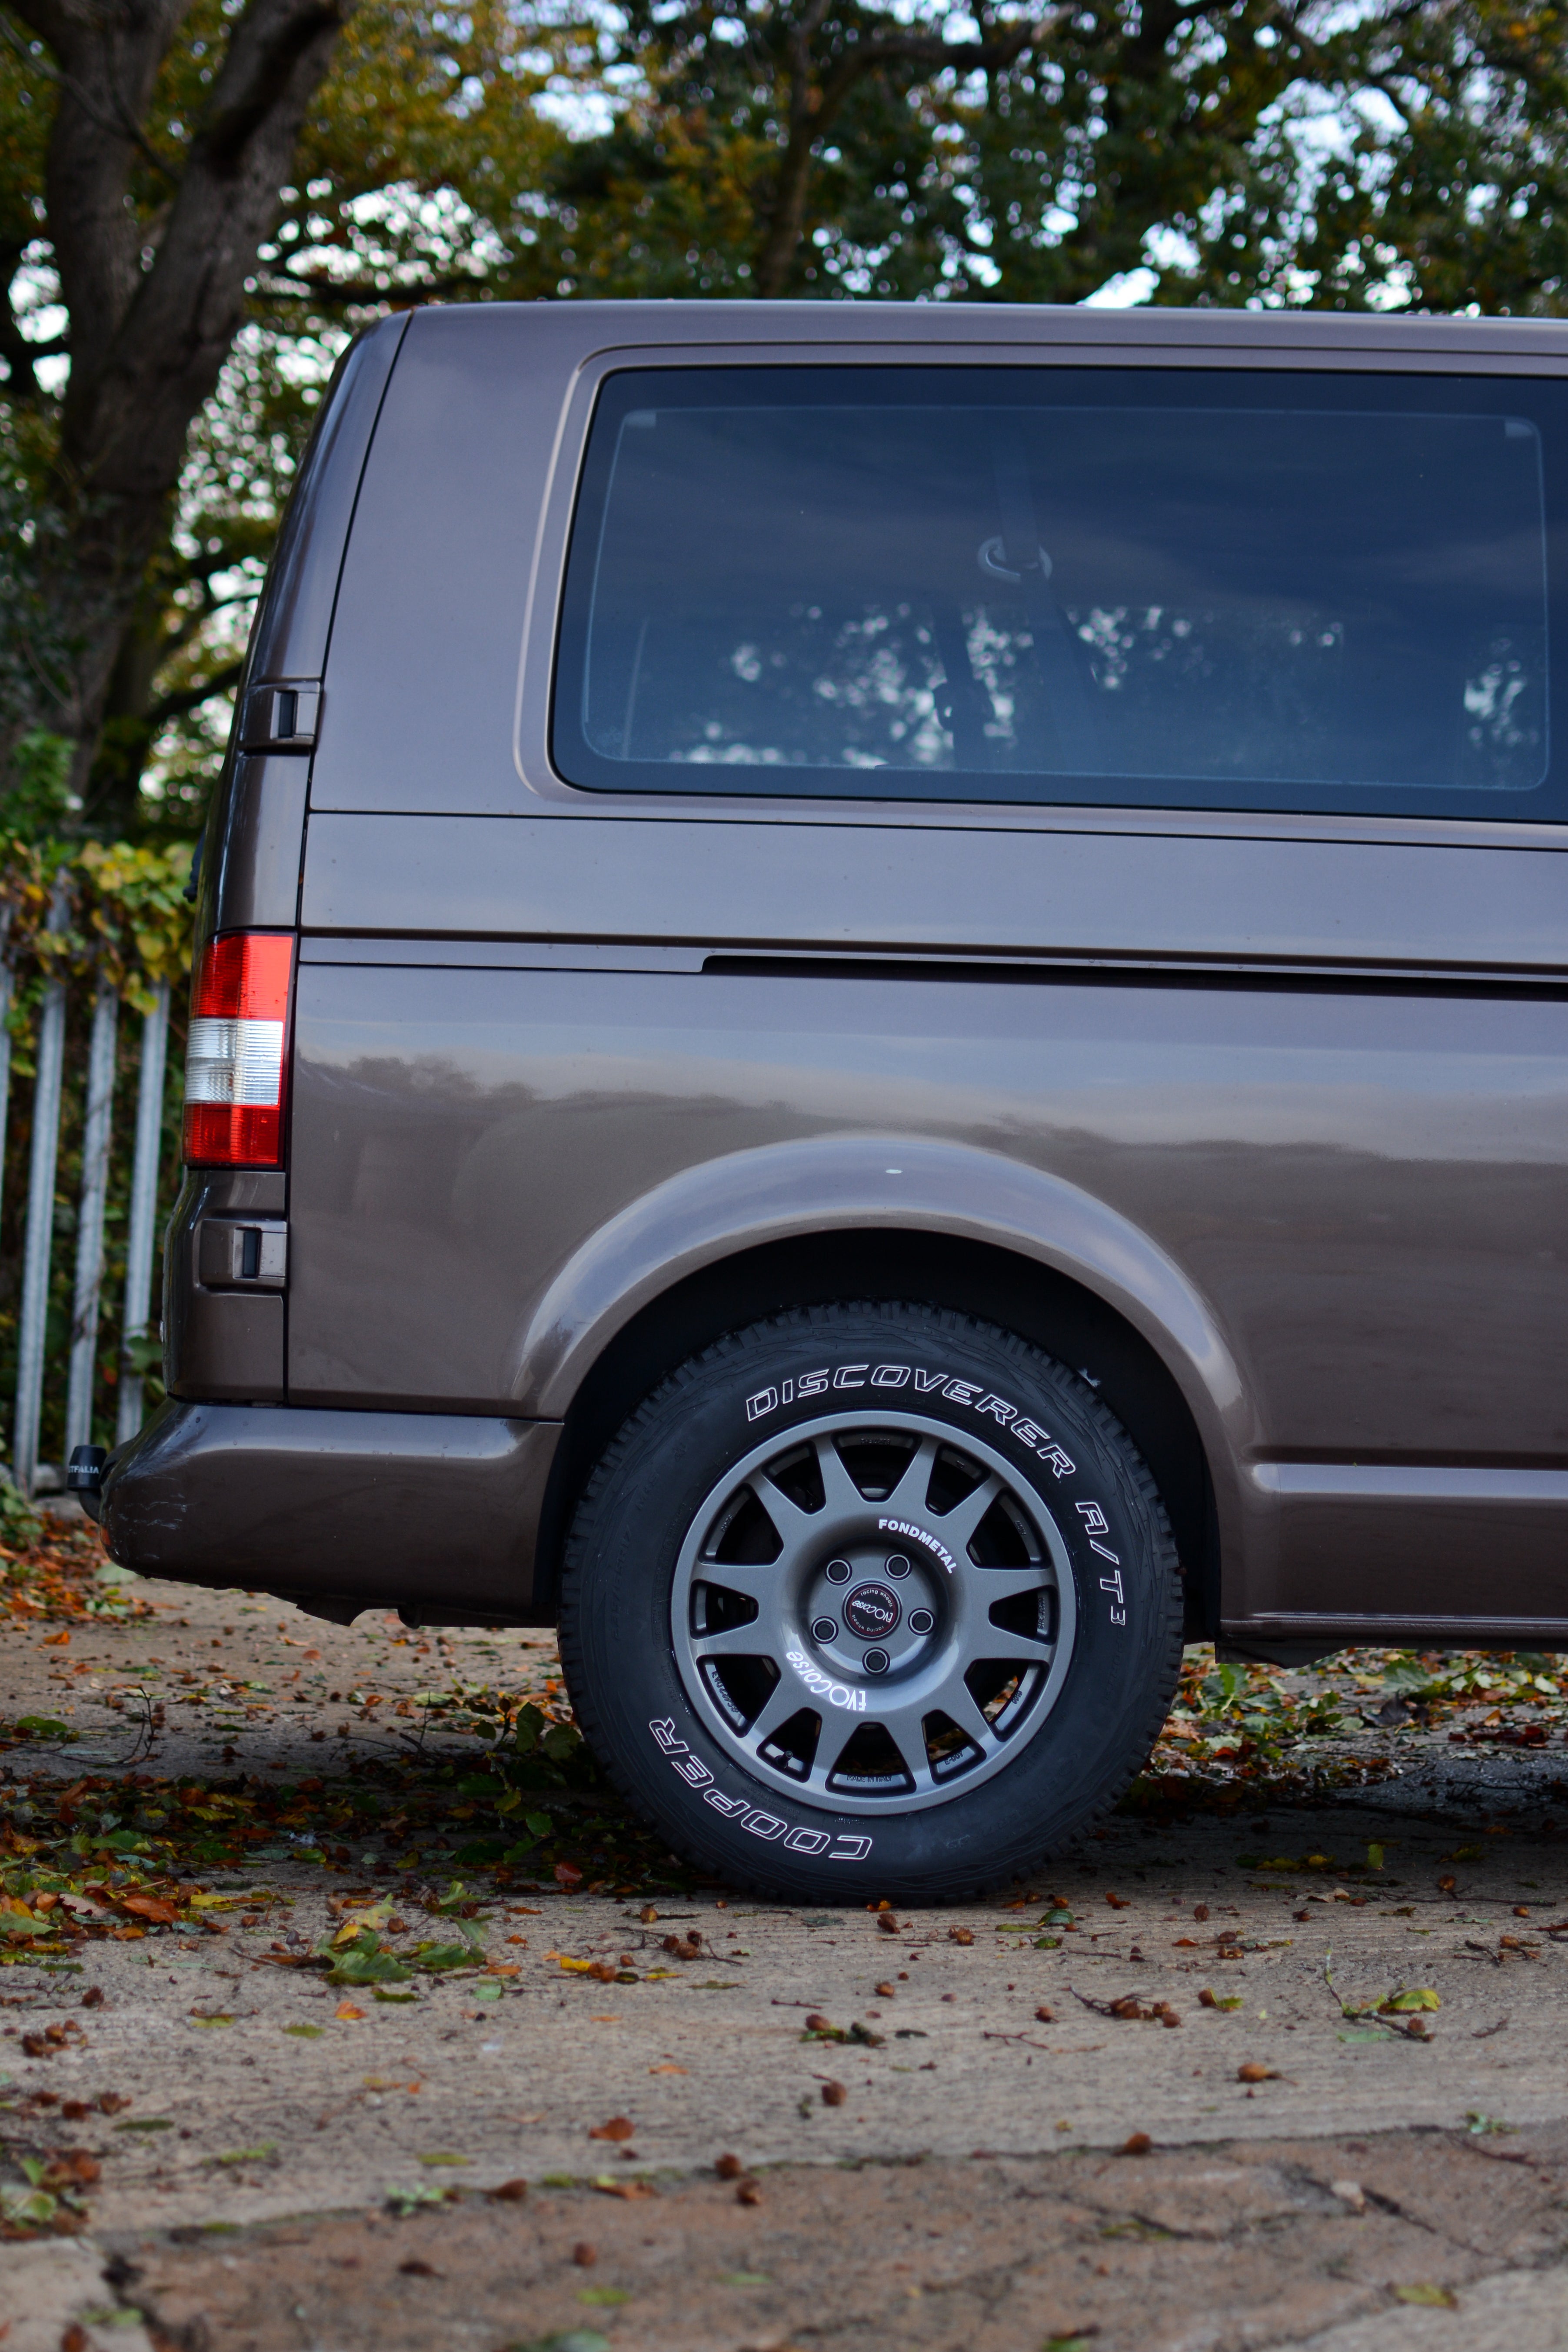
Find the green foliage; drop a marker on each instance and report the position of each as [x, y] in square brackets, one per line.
[19, 1523]
[1216, 153]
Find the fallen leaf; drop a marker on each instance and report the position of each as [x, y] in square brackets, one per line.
[834, 2094]
[437, 2156]
[1252, 2070]
[416, 2269]
[1209, 1998]
[630, 2190]
[1137, 2144]
[1046, 2016]
[604, 2294]
[729, 2168]
[509, 2193]
[346, 2009]
[148, 1907]
[1116, 1902]
[1424, 2291]
[618, 2127]
[961, 1936]
[890, 1926]
[585, 2255]
[748, 2192]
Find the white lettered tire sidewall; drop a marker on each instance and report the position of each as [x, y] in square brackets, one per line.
[988, 1385]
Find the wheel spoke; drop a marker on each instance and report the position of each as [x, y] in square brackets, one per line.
[994, 1584]
[785, 1698]
[753, 1641]
[999, 1644]
[793, 1527]
[837, 1731]
[905, 1726]
[959, 1524]
[909, 1497]
[758, 1581]
[958, 1701]
[840, 1493]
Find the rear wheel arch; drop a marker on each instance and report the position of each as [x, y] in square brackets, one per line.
[1062, 1316]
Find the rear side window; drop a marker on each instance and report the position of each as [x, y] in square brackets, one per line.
[1151, 586]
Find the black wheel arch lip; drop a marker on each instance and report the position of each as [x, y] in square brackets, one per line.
[400, 1507]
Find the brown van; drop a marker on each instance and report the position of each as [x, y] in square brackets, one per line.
[880, 1018]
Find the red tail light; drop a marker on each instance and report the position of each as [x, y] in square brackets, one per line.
[234, 1060]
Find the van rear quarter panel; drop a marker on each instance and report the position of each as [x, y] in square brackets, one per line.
[1363, 1192]
[1314, 1072]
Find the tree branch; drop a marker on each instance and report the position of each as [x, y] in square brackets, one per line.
[810, 120]
[191, 697]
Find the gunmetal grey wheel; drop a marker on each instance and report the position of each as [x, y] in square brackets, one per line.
[870, 1599]
[875, 1613]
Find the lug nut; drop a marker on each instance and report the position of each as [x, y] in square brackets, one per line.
[838, 1571]
[876, 1662]
[897, 1565]
[824, 1628]
[920, 1620]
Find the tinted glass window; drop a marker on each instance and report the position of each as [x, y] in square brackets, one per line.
[1192, 588]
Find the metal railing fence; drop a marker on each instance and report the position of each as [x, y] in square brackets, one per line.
[84, 935]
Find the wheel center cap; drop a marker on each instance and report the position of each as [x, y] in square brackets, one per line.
[871, 1612]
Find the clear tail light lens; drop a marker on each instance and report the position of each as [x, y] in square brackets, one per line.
[234, 1058]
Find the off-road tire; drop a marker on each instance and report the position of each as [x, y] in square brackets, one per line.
[919, 1395]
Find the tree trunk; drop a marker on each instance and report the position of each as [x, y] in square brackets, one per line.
[154, 313]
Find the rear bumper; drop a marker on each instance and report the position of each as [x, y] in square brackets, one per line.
[438, 1511]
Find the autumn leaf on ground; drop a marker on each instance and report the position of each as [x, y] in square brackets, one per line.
[618, 2127]
[346, 2009]
[148, 1907]
[1424, 2292]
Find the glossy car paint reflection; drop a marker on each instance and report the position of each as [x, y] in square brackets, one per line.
[1357, 1195]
